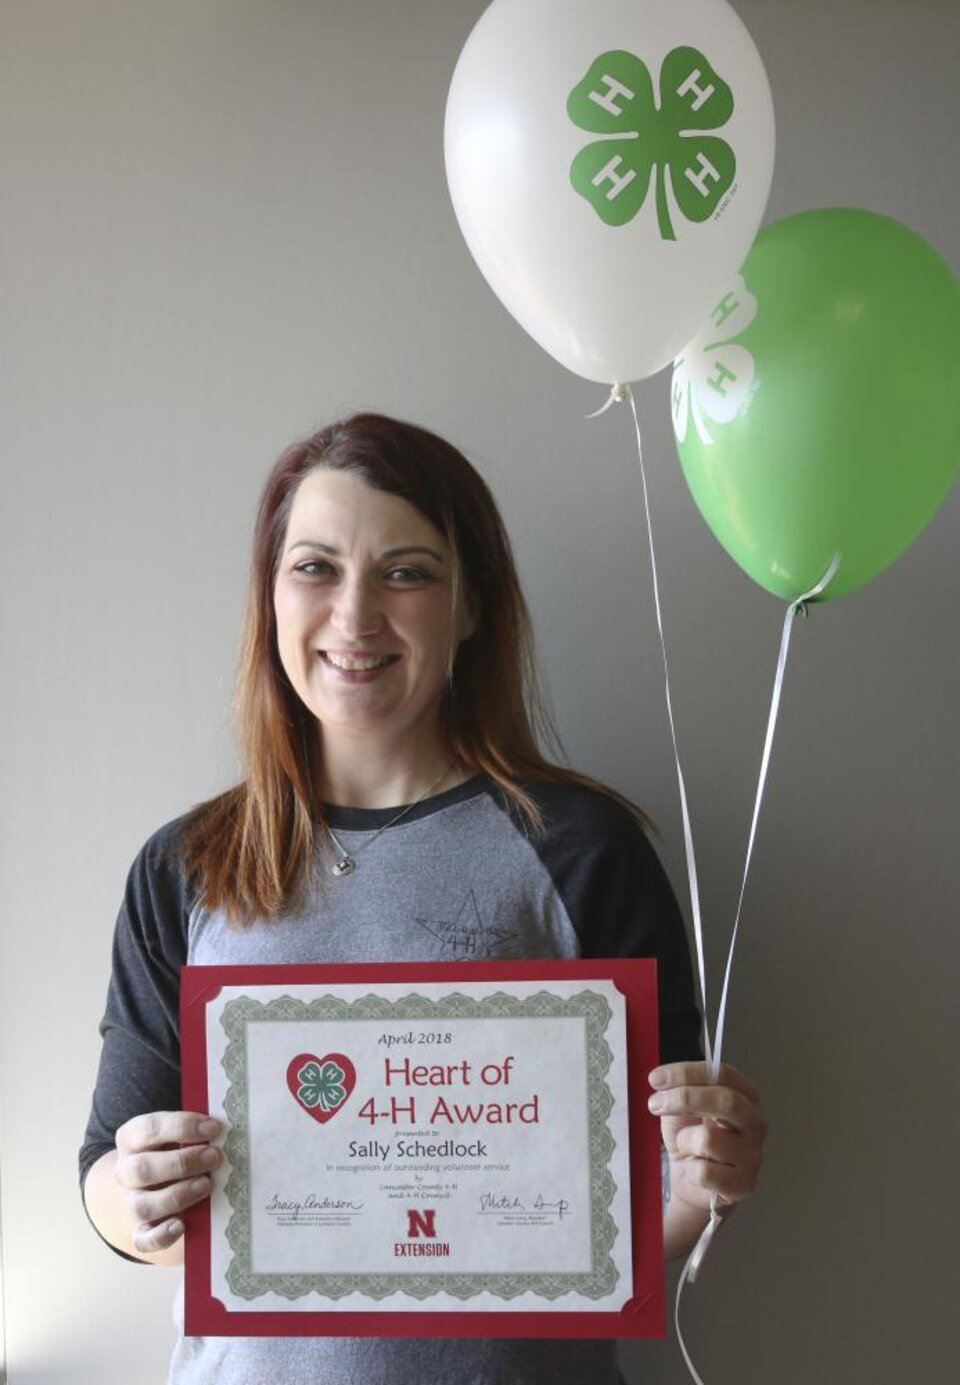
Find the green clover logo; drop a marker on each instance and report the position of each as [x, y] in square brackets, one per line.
[322, 1087]
[616, 100]
[714, 376]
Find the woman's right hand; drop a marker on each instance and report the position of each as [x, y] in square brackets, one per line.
[163, 1164]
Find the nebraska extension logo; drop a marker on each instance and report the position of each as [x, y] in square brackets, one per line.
[421, 1223]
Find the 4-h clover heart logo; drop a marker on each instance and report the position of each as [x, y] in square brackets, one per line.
[616, 100]
[714, 376]
[320, 1086]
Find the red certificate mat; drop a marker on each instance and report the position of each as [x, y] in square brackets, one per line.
[436, 1150]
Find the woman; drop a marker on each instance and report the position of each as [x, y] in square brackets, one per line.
[396, 807]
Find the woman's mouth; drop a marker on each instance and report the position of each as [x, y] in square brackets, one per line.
[356, 663]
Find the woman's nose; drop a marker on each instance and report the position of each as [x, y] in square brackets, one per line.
[357, 613]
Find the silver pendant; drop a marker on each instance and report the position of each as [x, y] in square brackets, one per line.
[345, 866]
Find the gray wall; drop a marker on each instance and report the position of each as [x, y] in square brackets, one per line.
[227, 220]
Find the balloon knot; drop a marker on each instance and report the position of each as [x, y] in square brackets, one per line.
[815, 593]
[618, 393]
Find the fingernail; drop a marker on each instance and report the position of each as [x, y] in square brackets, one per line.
[659, 1077]
[199, 1185]
[208, 1128]
[174, 1228]
[210, 1157]
[657, 1102]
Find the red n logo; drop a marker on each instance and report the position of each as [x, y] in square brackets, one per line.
[421, 1223]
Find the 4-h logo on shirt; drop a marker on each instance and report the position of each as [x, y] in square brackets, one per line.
[714, 376]
[616, 100]
[466, 935]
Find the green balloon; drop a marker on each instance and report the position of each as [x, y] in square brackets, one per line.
[818, 411]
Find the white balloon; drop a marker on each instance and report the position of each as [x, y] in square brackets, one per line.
[665, 156]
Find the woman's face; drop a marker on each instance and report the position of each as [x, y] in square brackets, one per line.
[366, 620]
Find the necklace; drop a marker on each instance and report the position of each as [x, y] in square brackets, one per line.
[347, 863]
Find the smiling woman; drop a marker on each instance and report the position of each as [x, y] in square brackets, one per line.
[387, 706]
[368, 621]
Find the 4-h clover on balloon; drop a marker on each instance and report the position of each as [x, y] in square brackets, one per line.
[616, 99]
[609, 251]
[714, 375]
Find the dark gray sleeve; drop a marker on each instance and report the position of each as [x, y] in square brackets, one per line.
[140, 1060]
[620, 901]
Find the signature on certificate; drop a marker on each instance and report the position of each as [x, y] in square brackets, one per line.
[509, 1202]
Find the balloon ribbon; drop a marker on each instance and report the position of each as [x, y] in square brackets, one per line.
[712, 1049]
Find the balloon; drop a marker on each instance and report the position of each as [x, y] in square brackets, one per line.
[609, 163]
[818, 410]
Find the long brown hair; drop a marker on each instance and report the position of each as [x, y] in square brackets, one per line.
[250, 849]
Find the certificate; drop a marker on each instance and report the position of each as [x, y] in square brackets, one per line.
[435, 1150]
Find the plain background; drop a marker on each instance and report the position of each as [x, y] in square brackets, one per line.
[226, 221]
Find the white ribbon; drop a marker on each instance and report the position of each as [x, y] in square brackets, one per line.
[799, 605]
[687, 829]
[689, 1274]
[712, 1050]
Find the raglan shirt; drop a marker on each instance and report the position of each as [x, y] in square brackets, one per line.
[459, 878]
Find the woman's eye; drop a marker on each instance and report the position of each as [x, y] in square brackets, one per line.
[314, 567]
[401, 575]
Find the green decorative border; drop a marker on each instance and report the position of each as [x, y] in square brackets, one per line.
[596, 1283]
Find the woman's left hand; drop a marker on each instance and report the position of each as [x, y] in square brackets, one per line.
[713, 1132]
